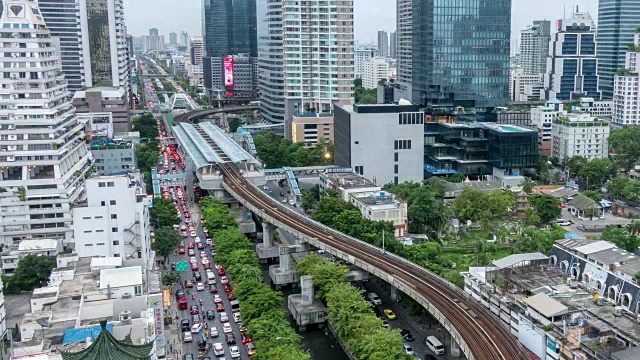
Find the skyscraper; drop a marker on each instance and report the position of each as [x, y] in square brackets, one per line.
[572, 66]
[534, 47]
[617, 22]
[393, 45]
[184, 38]
[383, 43]
[228, 28]
[104, 47]
[154, 32]
[270, 53]
[44, 157]
[318, 74]
[404, 48]
[195, 50]
[63, 20]
[173, 39]
[626, 97]
[461, 53]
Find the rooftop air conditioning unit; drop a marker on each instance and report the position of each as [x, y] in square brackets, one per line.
[125, 315]
[126, 296]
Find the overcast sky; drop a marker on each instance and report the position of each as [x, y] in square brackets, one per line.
[370, 15]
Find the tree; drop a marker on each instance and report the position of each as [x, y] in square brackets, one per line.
[475, 205]
[626, 146]
[234, 124]
[170, 278]
[575, 165]
[32, 272]
[165, 241]
[426, 214]
[458, 177]
[146, 125]
[310, 198]
[364, 96]
[543, 168]
[621, 238]
[597, 171]
[592, 194]
[527, 185]
[532, 218]
[163, 213]
[546, 206]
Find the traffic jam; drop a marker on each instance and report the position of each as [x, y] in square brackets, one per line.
[209, 313]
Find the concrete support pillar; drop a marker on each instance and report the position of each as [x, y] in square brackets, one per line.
[455, 349]
[306, 285]
[267, 235]
[394, 293]
[285, 258]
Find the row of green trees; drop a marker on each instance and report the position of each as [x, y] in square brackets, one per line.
[147, 151]
[355, 323]
[277, 152]
[261, 306]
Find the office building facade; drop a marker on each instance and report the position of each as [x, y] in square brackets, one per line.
[270, 60]
[617, 23]
[195, 50]
[626, 97]
[63, 20]
[105, 99]
[572, 66]
[383, 43]
[393, 45]
[104, 47]
[229, 29]
[404, 48]
[44, 158]
[461, 53]
[383, 143]
[318, 72]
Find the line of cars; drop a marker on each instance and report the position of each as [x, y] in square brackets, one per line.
[387, 314]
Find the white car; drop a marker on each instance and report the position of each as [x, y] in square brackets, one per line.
[408, 349]
[197, 240]
[226, 327]
[205, 230]
[236, 317]
[235, 352]
[186, 337]
[205, 261]
[213, 331]
[224, 317]
[193, 260]
[196, 328]
[203, 254]
[199, 286]
[375, 299]
[218, 349]
[192, 233]
[284, 201]
[224, 279]
[217, 298]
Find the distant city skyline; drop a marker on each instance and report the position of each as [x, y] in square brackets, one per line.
[379, 15]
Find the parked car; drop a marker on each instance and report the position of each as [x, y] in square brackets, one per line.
[389, 314]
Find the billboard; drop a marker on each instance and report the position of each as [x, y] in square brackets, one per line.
[228, 71]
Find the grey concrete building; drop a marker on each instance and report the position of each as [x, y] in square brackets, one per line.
[105, 99]
[114, 159]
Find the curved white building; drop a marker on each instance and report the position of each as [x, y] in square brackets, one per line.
[43, 156]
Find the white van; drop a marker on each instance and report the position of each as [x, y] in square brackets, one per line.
[435, 345]
[211, 277]
[375, 299]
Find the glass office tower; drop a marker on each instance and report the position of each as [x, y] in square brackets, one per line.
[617, 22]
[461, 53]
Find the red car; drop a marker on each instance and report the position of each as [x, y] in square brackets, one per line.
[220, 271]
[563, 205]
[189, 284]
[231, 296]
[207, 266]
[194, 310]
[245, 339]
[181, 251]
[191, 245]
[219, 307]
[194, 267]
[227, 288]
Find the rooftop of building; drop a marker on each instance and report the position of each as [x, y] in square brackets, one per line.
[349, 180]
[546, 305]
[379, 108]
[377, 200]
[478, 185]
[120, 277]
[106, 262]
[105, 90]
[38, 245]
[507, 128]
[613, 255]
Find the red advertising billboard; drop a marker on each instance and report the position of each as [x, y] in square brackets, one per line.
[228, 71]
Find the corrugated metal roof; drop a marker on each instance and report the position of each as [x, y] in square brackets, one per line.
[518, 258]
[594, 247]
[545, 305]
[191, 148]
[201, 144]
[232, 149]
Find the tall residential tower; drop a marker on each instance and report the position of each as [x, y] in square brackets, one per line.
[404, 48]
[43, 158]
[270, 53]
[383, 43]
[617, 23]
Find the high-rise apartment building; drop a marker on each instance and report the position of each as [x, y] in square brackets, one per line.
[63, 20]
[363, 54]
[154, 32]
[184, 39]
[626, 97]
[104, 47]
[383, 43]
[44, 158]
[404, 48]
[461, 53]
[534, 47]
[195, 50]
[393, 45]
[572, 66]
[375, 69]
[579, 134]
[173, 39]
[270, 53]
[617, 22]
[318, 56]
[228, 28]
